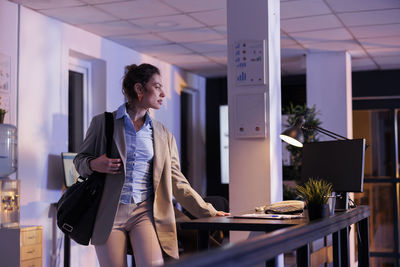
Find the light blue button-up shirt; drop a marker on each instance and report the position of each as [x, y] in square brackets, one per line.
[138, 184]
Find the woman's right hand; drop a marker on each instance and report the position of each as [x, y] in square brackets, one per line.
[105, 165]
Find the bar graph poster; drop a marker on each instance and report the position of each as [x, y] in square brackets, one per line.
[249, 62]
[5, 67]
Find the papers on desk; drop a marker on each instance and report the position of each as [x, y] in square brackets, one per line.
[268, 216]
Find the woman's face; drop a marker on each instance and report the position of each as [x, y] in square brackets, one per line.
[153, 93]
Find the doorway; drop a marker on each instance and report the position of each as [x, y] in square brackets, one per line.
[192, 151]
[381, 183]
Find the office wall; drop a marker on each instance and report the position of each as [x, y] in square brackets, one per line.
[46, 46]
[8, 58]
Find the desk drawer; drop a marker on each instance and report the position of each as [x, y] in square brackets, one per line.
[32, 263]
[31, 236]
[31, 252]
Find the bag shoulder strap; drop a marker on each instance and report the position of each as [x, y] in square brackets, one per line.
[109, 131]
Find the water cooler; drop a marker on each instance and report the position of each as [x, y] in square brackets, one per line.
[9, 188]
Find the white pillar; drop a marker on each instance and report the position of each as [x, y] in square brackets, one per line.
[329, 88]
[255, 159]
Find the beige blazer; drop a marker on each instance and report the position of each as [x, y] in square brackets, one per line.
[167, 179]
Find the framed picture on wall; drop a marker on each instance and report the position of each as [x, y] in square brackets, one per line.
[5, 75]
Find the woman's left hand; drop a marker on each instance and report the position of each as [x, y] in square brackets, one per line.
[222, 213]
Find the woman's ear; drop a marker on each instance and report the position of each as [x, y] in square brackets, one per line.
[138, 89]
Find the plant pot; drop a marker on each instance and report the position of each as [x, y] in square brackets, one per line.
[317, 211]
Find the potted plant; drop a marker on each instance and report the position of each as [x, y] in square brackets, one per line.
[315, 194]
[2, 113]
[291, 173]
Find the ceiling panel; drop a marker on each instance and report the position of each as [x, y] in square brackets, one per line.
[359, 5]
[381, 42]
[78, 15]
[362, 64]
[371, 17]
[93, 2]
[333, 46]
[193, 35]
[138, 40]
[384, 52]
[159, 50]
[45, 4]
[211, 18]
[207, 46]
[296, 9]
[167, 23]
[376, 31]
[292, 52]
[113, 28]
[197, 5]
[323, 35]
[138, 9]
[182, 31]
[310, 23]
[217, 56]
[388, 62]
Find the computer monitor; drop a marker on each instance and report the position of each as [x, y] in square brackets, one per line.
[339, 162]
[70, 173]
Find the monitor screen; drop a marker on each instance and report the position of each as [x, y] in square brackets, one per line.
[339, 162]
[70, 173]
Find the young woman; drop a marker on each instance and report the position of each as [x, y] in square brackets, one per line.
[143, 175]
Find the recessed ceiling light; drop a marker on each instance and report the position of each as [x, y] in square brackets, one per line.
[166, 24]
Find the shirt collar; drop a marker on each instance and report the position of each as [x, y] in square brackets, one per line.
[122, 112]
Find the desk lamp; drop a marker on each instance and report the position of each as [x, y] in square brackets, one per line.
[294, 136]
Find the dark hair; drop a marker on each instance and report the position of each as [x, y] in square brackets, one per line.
[137, 74]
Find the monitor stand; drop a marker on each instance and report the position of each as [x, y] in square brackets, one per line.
[342, 201]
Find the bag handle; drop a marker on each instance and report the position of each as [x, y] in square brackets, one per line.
[109, 118]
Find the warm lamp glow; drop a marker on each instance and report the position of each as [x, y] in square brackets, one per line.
[291, 141]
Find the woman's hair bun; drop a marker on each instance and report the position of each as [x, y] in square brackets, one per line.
[130, 67]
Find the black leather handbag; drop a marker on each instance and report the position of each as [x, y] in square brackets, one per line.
[77, 207]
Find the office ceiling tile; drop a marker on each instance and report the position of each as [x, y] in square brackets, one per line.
[94, 2]
[322, 35]
[347, 45]
[198, 5]
[381, 42]
[211, 70]
[113, 28]
[222, 29]
[159, 50]
[384, 52]
[371, 17]
[48, 3]
[167, 23]
[358, 53]
[138, 40]
[138, 9]
[187, 58]
[292, 52]
[211, 18]
[310, 23]
[193, 35]
[363, 64]
[217, 56]
[296, 9]
[207, 46]
[78, 15]
[376, 31]
[393, 61]
[360, 5]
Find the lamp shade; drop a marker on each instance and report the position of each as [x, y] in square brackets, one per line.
[294, 134]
